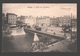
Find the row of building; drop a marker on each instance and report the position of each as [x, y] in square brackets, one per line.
[66, 20]
[44, 21]
[58, 21]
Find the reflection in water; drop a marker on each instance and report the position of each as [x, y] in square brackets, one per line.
[17, 31]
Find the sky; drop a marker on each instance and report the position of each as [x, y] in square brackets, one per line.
[40, 9]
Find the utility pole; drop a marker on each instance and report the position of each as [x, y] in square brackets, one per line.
[71, 27]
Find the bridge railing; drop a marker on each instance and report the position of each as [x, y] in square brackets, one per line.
[44, 32]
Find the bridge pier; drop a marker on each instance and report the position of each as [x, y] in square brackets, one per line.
[36, 37]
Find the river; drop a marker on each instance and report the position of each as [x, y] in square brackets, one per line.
[22, 41]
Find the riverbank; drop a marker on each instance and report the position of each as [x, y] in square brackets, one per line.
[6, 41]
[61, 46]
[21, 43]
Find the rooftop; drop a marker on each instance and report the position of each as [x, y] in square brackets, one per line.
[11, 14]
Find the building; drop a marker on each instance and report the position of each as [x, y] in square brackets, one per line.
[3, 18]
[65, 20]
[11, 18]
[29, 20]
[54, 21]
[43, 22]
[74, 24]
[22, 19]
[60, 21]
[18, 18]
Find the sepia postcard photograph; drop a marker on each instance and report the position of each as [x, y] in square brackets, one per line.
[39, 27]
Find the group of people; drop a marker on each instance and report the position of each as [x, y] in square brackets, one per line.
[38, 46]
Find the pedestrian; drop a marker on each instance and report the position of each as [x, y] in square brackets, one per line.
[54, 33]
[64, 34]
[69, 38]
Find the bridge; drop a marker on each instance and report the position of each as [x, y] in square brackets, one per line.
[30, 30]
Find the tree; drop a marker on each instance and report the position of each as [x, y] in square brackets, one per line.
[65, 28]
[73, 46]
[19, 23]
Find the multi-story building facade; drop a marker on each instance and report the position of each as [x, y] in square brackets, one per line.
[22, 19]
[66, 20]
[54, 21]
[43, 22]
[3, 18]
[11, 18]
[74, 25]
[29, 20]
[60, 21]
